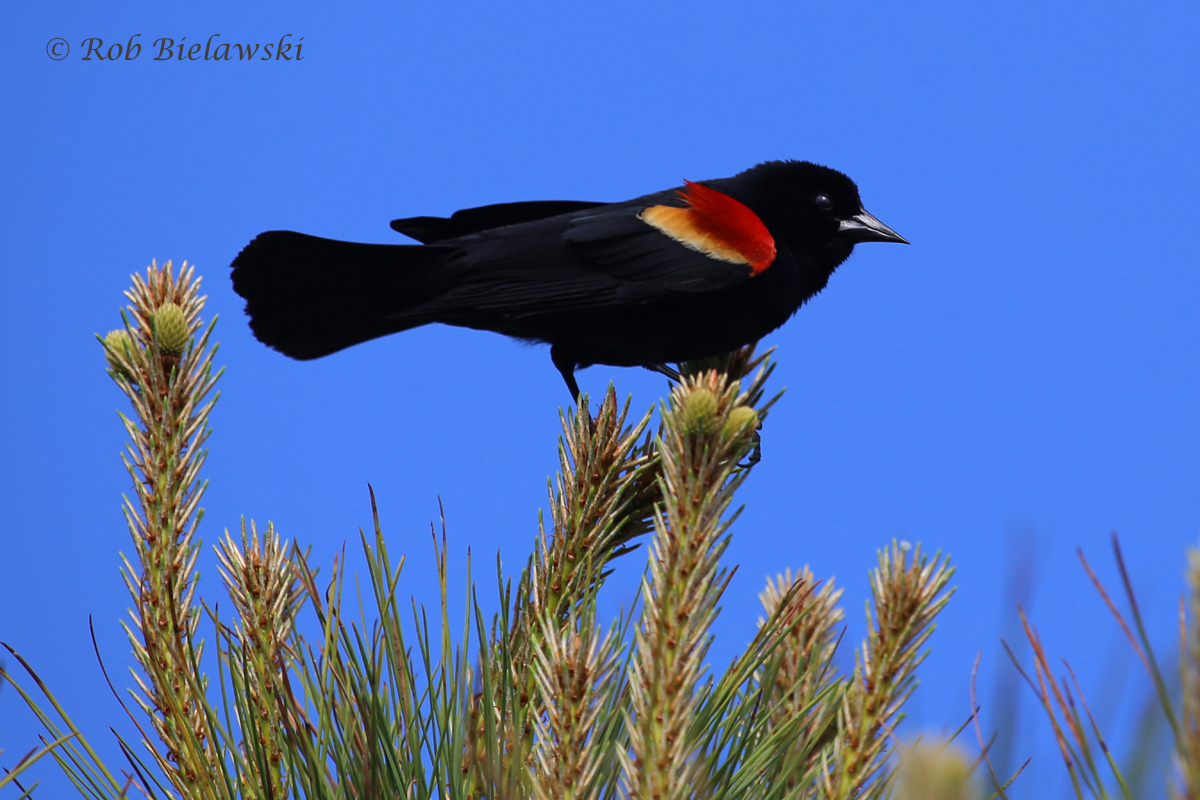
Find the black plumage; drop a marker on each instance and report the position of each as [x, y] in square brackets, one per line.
[663, 278]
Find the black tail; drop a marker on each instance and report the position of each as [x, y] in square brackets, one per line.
[308, 297]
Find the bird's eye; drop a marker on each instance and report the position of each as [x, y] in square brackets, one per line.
[824, 203]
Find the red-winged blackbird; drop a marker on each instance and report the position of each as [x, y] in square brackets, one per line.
[672, 276]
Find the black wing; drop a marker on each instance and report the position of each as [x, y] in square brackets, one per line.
[428, 230]
[585, 261]
[621, 245]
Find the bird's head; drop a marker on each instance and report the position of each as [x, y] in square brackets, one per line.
[810, 209]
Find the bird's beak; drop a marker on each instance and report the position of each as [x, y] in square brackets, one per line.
[863, 227]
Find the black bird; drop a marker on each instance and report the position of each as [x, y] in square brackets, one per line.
[680, 274]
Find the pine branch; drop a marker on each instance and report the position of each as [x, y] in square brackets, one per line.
[167, 376]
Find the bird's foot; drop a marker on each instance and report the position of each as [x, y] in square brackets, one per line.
[755, 452]
[663, 369]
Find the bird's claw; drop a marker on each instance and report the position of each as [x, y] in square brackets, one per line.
[663, 369]
[755, 453]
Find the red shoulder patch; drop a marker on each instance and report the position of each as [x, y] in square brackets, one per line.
[717, 225]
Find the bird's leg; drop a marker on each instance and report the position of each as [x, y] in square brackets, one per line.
[566, 367]
[756, 453]
[663, 369]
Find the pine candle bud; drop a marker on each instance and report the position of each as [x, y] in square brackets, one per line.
[740, 420]
[931, 772]
[116, 344]
[698, 414]
[171, 328]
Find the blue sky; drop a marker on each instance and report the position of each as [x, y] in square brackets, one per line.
[1023, 379]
